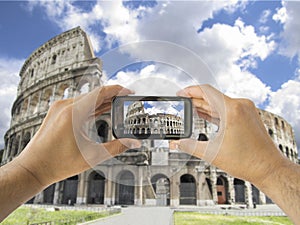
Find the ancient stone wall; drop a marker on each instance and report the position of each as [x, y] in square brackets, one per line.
[61, 68]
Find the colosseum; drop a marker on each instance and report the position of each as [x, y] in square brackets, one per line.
[152, 175]
[138, 122]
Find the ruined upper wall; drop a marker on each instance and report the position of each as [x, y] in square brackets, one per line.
[282, 134]
[66, 51]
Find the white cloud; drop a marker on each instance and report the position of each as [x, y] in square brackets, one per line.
[229, 51]
[281, 15]
[286, 103]
[9, 70]
[289, 16]
[265, 16]
[154, 79]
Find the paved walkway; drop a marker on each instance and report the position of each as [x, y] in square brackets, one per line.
[138, 216]
[164, 215]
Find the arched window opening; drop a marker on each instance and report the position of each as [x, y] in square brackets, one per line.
[239, 187]
[282, 124]
[67, 93]
[102, 130]
[14, 146]
[271, 132]
[287, 152]
[49, 194]
[54, 57]
[125, 189]
[222, 187]
[281, 148]
[255, 195]
[85, 88]
[161, 187]
[96, 188]
[276, 121]
[25, 140]
[70, 190]
[202, 137]
[187, 190]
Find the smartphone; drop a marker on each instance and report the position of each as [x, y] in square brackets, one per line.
[151, 117]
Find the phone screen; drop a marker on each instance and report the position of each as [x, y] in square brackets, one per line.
[152, 117]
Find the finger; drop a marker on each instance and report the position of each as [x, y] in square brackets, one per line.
[209, 118]
[192, 92]
[118, 146]
[202, 106]
[86, 105]
[191, 146]
[102, 109]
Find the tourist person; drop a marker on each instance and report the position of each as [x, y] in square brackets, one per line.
[61, 149]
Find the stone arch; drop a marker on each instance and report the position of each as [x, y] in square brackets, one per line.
[84, 87]
[25, 106]
[25, 140]
[34, 103]
[292, 154]
[255, 195]
[125, 188]
[202, 137]
[61, 89]
[14, 146]
[67, 93]
[102, 130]
[239, 188]
[222, 190]
[96, 188]
[208, 182]
[70, 190]
[270, 131]
[161, 187]
[49, 194]
[187, 190]
[287, 152]
[47, 99]
[281, 148]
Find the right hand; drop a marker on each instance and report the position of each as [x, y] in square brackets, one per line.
[242, 146]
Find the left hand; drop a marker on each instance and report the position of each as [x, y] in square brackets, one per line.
[61, 148]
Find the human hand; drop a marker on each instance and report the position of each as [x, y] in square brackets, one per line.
[61, 148]
[242, 146]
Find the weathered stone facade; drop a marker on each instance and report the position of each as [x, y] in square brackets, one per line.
[152, 175]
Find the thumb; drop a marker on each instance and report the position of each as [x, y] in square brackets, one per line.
[191, 146]
[118, 146]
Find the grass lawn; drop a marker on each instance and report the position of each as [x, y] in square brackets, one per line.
[26, 215]
[194, 218]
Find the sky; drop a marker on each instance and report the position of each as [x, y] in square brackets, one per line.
[154, 107]
[246, 49]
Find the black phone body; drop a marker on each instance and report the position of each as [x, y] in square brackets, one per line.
[151, 117]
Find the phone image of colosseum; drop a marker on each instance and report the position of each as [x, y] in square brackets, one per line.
[66, 66]
[139, 122]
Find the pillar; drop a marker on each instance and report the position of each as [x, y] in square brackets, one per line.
[248, 193]
[57, 193]
[108, 187]
[139, 187]
[231, 192]
[213, 178]
[81, 193]
[174, 190]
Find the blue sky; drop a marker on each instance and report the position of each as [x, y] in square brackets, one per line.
[251, 47]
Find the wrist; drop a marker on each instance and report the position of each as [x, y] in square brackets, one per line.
[270, 174]
[17, 185]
